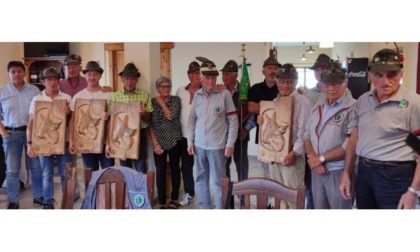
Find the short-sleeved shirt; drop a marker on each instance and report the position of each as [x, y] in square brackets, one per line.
[261, 92]
[138, 95]
[14, 104]
[66, 88]
[167, 132]
[383, 127]
[86, 94]
[186, 104]
[43, 97]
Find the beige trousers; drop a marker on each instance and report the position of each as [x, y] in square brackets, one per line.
[291, 176]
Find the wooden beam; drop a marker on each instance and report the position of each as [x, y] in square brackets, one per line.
[114, 46]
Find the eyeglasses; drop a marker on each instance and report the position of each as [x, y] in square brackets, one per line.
[290, 82]
[165, 86]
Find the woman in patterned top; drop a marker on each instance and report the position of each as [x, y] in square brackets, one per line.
[165, 132]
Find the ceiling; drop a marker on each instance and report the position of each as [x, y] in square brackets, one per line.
[289, 44]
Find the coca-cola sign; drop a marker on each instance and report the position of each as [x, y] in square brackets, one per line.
[357, 74]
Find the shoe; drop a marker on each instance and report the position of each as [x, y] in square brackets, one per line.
[269, 206]
[173, 204]
[162, 207]
[186, 200]
[48, 206]
[39, 201]
[12, 205]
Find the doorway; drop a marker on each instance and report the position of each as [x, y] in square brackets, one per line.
[115, 62]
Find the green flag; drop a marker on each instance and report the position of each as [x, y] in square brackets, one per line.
[244, 87]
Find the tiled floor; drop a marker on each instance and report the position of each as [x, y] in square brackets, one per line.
[25, 201]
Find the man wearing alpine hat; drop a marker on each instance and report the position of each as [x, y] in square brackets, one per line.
[387, 177]
[213, 129]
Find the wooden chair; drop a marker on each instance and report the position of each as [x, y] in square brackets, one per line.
[263, 188]
[67, 201]
[111, 189]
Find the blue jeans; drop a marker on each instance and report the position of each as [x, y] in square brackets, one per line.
[138, 164]
[13, 147]
[47, 163]
[209, 162]
[381, 187]
[92, 160]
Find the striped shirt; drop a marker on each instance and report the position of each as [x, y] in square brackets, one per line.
[139, 95]
[66, 88]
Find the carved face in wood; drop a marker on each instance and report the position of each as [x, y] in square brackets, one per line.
[272, 136]
[87, 125]
[48, 130]
[122, 135]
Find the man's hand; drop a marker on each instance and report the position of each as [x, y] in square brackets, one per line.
[191, 149]
[228, 151]
[345, 186]
[107, 89]
[407, 201]
[290, 159]
[243, 134]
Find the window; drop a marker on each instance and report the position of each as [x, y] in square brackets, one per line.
[306, 77]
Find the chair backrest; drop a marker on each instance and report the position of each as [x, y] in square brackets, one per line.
[111, 189]
[263, 188]
[67, 201]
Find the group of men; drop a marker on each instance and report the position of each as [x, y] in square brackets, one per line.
[330, 129]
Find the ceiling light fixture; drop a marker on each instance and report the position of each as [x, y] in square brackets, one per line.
[310, 50]
[303, 58]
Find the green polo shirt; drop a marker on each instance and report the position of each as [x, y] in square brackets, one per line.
[138, 95]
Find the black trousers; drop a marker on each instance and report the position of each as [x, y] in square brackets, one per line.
[187, 163]
[2, 163]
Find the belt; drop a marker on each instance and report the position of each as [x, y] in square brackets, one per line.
[21, 128]
[377, 163]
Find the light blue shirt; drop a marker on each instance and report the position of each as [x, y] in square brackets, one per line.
[14, 104]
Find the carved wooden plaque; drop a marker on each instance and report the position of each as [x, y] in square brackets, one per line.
[275, 139]
[88, 125]
[49, 128]
[124, 130]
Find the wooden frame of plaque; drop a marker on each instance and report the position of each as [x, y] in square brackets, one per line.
[89, 127]
[124, 130]
[49, 128]
[276, 133]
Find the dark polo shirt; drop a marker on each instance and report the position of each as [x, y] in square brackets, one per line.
[260, 92]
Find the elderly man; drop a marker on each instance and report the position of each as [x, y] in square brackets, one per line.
[387, 177]
[240, 154]
[213, 129]
[186, 93]
[291, 172]
[15, 99]
[329, 125]
[130, 77]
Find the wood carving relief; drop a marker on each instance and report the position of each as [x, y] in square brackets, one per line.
[88, 125]
[275, 139]
[124, 133]
[49, 129]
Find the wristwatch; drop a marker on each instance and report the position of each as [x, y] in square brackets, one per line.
[412, 190]
[322, 159]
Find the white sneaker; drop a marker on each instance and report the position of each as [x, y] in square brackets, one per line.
[186, 200]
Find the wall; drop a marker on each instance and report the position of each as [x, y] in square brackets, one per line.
[91, 52]
[8, 52]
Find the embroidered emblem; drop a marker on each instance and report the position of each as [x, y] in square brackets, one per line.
[217, 110]
[139, 200]
[401, 104]
[338, 117]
